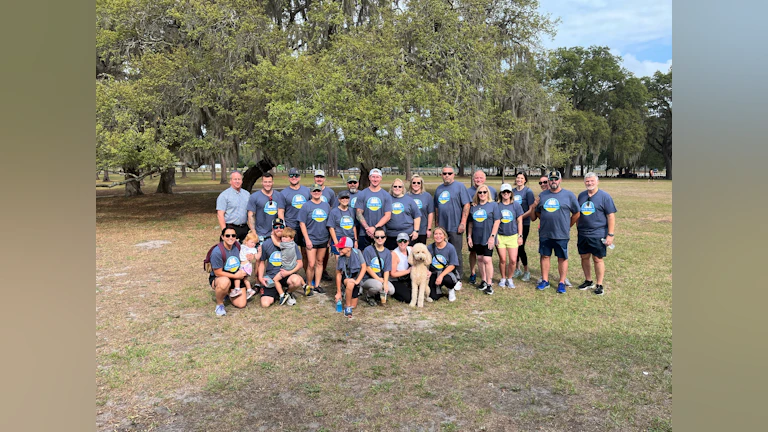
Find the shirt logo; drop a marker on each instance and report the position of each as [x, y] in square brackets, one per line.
[438, 260]
[519, 199]
[506, 216]
[324, 198]
[373, 203]
[276, 259]
[270, 208]
[352, 202]
[347, 222]
[480, 215]
[375, 265]
[587, 208]
[298, 201]
[319, 215]
[444, 197]
[418, 202]
[552, 205]
[397, 208]
[232, 265]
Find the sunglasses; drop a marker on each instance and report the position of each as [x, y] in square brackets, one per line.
[293, 175]
[447, 173]
[482, 192]
[380, 237]
[230, 235]
[402, 241]
[542, 183]
[343, 197]
[278, 226]
[415, 182]
[506, 191]
[352, 182]
[397, 187]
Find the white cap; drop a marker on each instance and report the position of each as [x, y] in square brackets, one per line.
[320, 173]
[374, 171]
[505, 187]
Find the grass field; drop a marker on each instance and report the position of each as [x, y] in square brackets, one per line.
[518, 360]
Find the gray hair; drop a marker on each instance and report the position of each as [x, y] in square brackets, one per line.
[590, 174]
[235, 172]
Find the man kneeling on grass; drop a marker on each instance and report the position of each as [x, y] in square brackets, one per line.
[350, 268]
[225, 270]
[271, 265]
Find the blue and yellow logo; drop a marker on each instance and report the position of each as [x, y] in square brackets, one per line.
[353, 201]
[506, 216]
[375, 265]
[480, 216]
[437, 261]
[552, 205]
[324, 198]
[276, 259]
[232, 265]
[418, 203]
[397, 208]
[347, 222]
[298, 201]
[444, 197]
[518, 199]
[373, 203]
[319, 215]
[270, 208]
[587, 208]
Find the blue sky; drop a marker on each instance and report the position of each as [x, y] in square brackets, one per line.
[640, 31]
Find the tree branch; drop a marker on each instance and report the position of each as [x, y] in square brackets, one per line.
[133, 178]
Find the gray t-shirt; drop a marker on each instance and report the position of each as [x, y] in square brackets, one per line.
[449, 202]
[404, 211]
[232, 262]
[374, 205]
[443, 257]
[315, 217]
[273, 257]
[342, 222]
[593, 221]
[288, 253]
[329, 196]
[352, 199]
[372, 261]
[234, 205]
[525, 199]
[509, 214]
[482, 217]
[426, 204]
[265, 210]
[294, 200]
[353, 263]
[556, 210]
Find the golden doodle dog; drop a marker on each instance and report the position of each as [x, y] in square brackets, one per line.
[419, 260]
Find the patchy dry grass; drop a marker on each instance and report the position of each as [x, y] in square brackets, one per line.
[517, 360]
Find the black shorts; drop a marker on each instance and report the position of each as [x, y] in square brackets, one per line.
[270, 292]
[299, 239]
[481, 250]
[591, 245]
[212, 278]
[357, 288]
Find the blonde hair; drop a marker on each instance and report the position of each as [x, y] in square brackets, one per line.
[289, 232]
[413, 177]
[475, 199]
[391, 189]
[441, 229]
[251, 236]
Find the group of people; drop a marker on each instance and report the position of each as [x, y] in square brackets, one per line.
[371, 232]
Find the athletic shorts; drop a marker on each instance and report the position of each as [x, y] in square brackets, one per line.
[212, 278]
[357, 288]
[591, 245]
[482, 250]
[508, 242]
[559, 245]
[270, 292]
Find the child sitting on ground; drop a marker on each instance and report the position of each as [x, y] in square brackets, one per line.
[250, 246]
[288, 257]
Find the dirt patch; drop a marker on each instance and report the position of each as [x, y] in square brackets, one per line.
[154, 244]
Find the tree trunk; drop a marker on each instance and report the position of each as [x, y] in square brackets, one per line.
[97, 174]
[668, 164]
[184, 171]
[213, 168]
[165, 185]
[223, 177]
[132, 188]
[408, 167]
[255, 172]
[362, 180]
[106, 175]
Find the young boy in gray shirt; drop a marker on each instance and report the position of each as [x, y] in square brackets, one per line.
[288, 257]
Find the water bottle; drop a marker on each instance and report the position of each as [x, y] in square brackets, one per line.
[609, 247]
[338, 306]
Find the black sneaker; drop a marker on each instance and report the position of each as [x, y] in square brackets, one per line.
[488, 289]
[326, 277]
[586, 285]
[319, 290]
[481, 286]
[371, 301]
[284, 298]
[599, 290]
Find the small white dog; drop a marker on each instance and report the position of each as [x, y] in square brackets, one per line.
[420, 259]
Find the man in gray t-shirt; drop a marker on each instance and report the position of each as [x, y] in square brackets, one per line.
[451, 212]
[264, 206]
[596, 224]
[558, 210]
[373, 209]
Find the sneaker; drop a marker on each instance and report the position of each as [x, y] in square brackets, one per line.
[472, 278]
[319, 290]
[348, 312]
[510, 284]
[599, 290]
[326, 277]
[235, 292]
[503, 283]
[568, 283]
[371, 301]
[308, 290]
[284, 298]
[250, 293]
[451, 295]
[481, 286]
[561, 288]
[291, 300]
[220, 310]
[517, 273]
[458, 286]
[526, 276]
[542, 285]
[488, 289]
[586, 285]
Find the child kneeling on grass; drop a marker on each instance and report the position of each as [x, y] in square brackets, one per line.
[350, 268]
[250, 246]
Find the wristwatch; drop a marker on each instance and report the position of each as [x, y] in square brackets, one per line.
[610, 234]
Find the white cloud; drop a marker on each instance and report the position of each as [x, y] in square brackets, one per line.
[642, 68]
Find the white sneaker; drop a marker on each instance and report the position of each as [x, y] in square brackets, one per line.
[457, 287]
[568, 283]
[510, 284]
[451, 295]
[235, 292]
[250, 293]
[526, 276]
[291, 301]
[503, 283]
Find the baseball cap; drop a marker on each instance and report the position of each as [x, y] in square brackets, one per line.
[555, 175]
[352, 178]
[293, 171]
[343, 194]
[403, 236]
[345, 242]
[315, 187]
[505, 187]
[319, 173]
[278, 221]
[374, 171]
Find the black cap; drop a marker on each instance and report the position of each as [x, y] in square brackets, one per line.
[278, 221]
[343, 194]
[555, 175]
